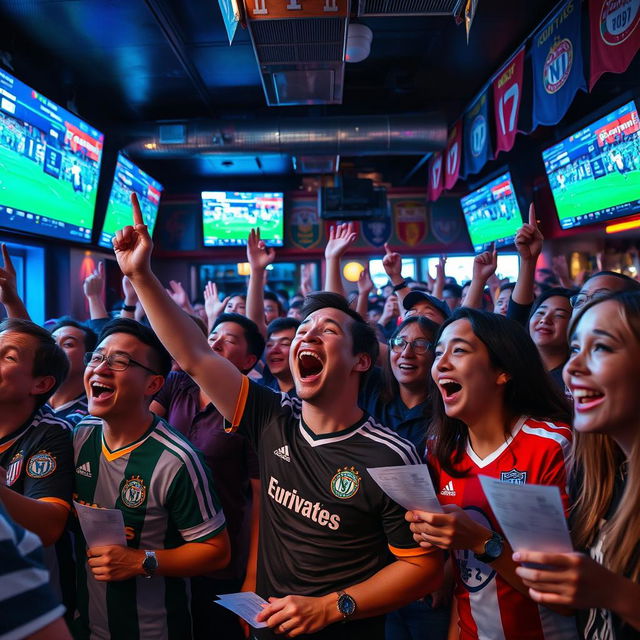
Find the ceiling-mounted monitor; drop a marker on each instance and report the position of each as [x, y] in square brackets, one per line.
[492, 213]
[229, 216]
[353, 199]
[129, 178]
[594, 174]
[50, 163]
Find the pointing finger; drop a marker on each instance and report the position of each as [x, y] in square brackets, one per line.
[532, 216]
[137, 212]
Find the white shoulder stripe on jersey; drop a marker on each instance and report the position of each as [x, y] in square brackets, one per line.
[204, 528]
[376, 436]
[293, 403]
[385, 432]
[483, 462]
[83, 432]
[323, 441]
[191, 462]
[564, 443]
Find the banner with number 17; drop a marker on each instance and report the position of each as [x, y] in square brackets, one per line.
[507, 95]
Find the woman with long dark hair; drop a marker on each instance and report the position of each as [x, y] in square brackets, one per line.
[603, 374]
[495, 413]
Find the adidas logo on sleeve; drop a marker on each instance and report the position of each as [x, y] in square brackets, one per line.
[283, 452]
[448, 489]
[84, 470]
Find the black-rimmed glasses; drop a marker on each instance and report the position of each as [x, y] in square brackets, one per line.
[115, 361]
[419, 345]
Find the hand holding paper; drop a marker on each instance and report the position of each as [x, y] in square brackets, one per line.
[408, 485]
[246, 604]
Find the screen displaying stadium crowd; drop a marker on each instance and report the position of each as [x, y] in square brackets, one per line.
[428, 459]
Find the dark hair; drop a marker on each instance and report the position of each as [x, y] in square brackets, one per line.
[550, 293]
[282, 324]
[629, 284]
[255, 341]
[269, 295]
[454, 289]
[160, 358]
[529, 390]
[296, 304]
[507, 286]
[363, 335]
[391, 388]
[90, 336]
[49, 359]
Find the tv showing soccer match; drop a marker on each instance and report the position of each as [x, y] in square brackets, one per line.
[594, 174]
[229, 216]
[129, 178]
[50, 163]
[492, 213]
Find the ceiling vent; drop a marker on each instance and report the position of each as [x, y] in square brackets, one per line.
[409, 7]
[300, 49]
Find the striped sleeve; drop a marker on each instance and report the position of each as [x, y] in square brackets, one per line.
[27, 603]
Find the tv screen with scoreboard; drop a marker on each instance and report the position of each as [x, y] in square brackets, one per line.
[594, 174]
[127, 179]
[50, 163]
[229, 216]
[492, 213]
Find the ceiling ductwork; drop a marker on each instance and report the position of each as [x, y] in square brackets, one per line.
[300, 49]
[409, 7]
[328, 136]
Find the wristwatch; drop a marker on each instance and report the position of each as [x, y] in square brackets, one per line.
[400, 285]
[493, 548]
[346, 605]
[150, 564]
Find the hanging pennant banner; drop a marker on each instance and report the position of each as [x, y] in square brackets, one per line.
[435, 175]
[615, 36]
[477, 141]
[557, 65]
[453, 155]
[507, 96]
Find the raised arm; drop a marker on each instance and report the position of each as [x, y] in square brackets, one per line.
[130, 300]
[213, 306]
[392, 264]
[93, 287]
[341, 237]
[178, 294]
[529, 245]
[259, 257]
[9, 289]
[365, 286]
[438, 286]
[217, 377]
[484, 266]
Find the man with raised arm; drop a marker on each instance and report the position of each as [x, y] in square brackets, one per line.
[332, 547]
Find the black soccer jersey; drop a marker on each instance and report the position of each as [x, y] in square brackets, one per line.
[325, 524]
[38, 458]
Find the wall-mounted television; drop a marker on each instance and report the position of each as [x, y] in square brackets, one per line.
[50, 163]
[353, 199]
[594, 174]
[127, 179]
[492, 213]
[229, 216]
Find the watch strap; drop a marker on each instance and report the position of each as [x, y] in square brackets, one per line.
[487, 557]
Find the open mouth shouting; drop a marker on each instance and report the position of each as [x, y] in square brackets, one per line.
[100, 392]
[449, 389]
[585, 399]
[310, 365]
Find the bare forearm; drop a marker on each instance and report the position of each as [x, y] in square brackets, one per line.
[46, 519]
[249, 583]
[333, 281]
[523, 291]
[16, 309]
[362, 307]
[473, 300]
[255, 299]
[195, 558]
[97, 309]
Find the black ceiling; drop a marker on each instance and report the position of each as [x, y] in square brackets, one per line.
[122, 62]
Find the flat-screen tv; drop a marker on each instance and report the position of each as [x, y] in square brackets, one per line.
[229, 216]
[50, 163]
[492, 213]
[595, 173]
[127, 179]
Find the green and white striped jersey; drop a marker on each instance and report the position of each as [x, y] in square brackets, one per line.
[165, 492]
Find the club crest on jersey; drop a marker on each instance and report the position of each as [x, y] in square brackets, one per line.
[345, 483]
[514, 477]
[133, 492]
[557, 66]
[15, 468]
[41, 465]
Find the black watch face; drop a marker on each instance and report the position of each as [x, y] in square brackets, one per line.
[347, 605]
[493, 548]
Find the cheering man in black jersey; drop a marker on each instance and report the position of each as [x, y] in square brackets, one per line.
[333, 546]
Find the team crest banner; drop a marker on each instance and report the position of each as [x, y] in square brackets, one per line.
[477, 140]
[304, 224]
[377, 230]
[507, 97]
[453, 156]
[411, 221]
[435, 176]
[615, 36]
[446, 220]
[557, 65]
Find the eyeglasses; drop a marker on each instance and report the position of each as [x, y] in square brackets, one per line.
[580, 299]
[115, 361]
[419, 345]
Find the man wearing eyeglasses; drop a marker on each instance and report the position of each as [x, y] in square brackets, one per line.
[129, 459]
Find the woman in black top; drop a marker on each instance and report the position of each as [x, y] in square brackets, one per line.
[603, 374]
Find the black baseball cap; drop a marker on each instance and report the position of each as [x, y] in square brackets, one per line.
[419, 296]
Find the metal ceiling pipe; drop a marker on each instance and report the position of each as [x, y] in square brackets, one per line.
[345, 135]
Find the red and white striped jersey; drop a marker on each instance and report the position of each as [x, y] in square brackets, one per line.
[488, 607]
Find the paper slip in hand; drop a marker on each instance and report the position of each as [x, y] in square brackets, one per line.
[246, 604]
[531, 515]
[409, 485]
[101, 527]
